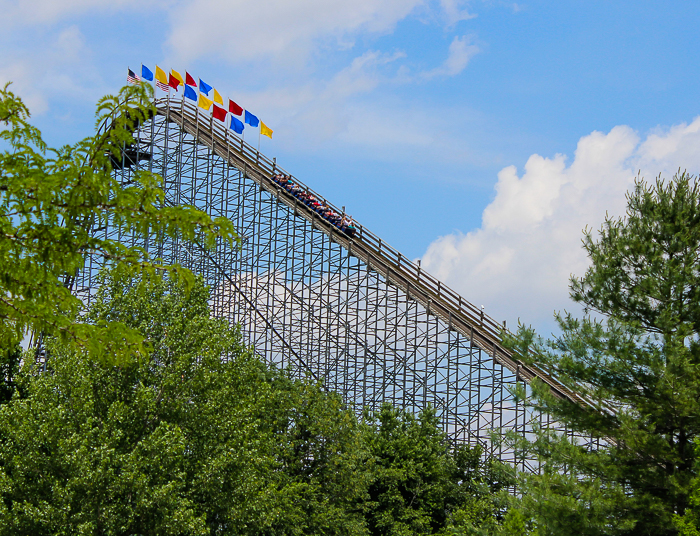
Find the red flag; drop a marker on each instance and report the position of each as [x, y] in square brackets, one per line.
[189, 80]
[219, 113]
[173, 82]
[234, 108]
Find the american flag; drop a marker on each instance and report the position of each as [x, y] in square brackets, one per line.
[164, 87]
[132, 78]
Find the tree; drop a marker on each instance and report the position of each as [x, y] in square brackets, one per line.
[636, 362]
[50, 201]
[179, 441]
[10, 359]
[688, 524]
[417, 483]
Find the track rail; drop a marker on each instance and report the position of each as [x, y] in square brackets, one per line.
[438, 299]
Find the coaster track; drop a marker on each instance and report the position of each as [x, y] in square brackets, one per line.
[352, 312]
[398, 270]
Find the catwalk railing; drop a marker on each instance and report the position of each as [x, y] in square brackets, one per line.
[438, 299]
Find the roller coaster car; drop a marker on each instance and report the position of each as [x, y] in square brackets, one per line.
[348, 230]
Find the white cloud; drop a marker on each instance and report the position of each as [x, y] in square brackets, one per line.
[242, 30]
[318, 111]
[60, 69]
[672, 148]
[277, 44]
[357, 108]
[23, 85]
[22, 13]
[461, 51]
[455, 11]
[362, 75]
[519, 261]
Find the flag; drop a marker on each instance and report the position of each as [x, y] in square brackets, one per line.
[178, 76]
[204, 87]
[162, 79]
[219, 113]
[174, 82]
[190, 93]
[234, 108]
[236, 125]
[265, 130]
[189, 81]
[217, 98]
[132, 78]
[204, 102]
[251, 119]
[146, 73]
[161, 76]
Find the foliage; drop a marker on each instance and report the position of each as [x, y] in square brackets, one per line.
[51, 201]
[689, 523]
[9, 367]
[638, 369]
[178, 442]
[417, 485]
[182, 441]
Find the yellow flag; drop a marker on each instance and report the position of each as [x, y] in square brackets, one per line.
[178, 76]
[265, 130]
[204, 102]
[161, 76]
[217, 98]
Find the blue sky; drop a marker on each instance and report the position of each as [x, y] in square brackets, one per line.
[480, 136]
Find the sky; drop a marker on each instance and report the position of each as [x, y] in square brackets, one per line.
[479, 136]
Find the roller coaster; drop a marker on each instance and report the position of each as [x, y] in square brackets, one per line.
[348, 310]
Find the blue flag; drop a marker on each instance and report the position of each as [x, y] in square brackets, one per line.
[236, 125]
[251, 119]
[146, 73]
[204, 87]
[190, 93]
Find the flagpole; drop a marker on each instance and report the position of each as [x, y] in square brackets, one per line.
[196, 111]
[258, 140]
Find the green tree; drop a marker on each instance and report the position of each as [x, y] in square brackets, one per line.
[52, 199]
[637, 363]
[688, 524]
[179, 441]
[10, 359]
[417, 483]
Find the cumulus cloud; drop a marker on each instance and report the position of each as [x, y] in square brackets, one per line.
[461, 51]
[672, 148]
[519, 261]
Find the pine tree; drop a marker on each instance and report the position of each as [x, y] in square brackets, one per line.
[688, 524]
[635, 357]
